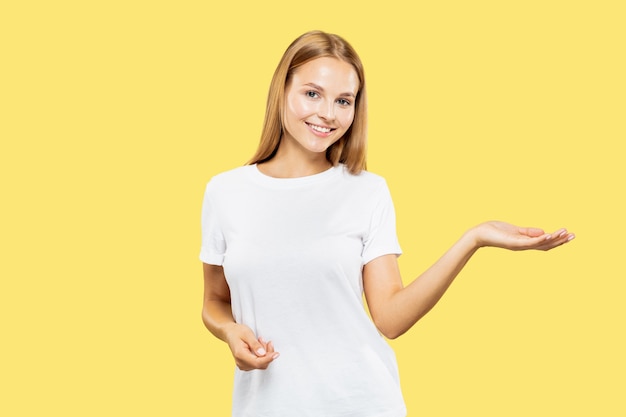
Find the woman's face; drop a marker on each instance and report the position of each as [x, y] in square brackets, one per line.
[320, 103]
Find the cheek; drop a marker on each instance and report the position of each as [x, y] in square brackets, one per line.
[301, 108]
[346, 119]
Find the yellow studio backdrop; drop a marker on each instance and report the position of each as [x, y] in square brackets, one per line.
[115, 114]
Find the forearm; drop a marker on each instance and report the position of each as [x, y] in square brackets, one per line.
[249, 351]
[217, 317]
[407, 305]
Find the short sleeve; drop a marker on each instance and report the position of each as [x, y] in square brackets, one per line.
[381, 238]
[213, 242]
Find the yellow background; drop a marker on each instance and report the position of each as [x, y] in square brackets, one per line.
[114, 115]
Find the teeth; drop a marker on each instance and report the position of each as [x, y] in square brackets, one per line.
[320, 129]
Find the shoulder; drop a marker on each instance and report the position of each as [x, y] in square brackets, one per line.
[365, 179]
[369, 177]
[230, 178]
[234, 174]
[365, 189]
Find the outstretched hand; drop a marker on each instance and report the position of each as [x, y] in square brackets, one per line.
[507, 236]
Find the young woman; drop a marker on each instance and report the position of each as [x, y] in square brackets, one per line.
[292, 240]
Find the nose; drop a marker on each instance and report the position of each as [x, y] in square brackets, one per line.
[326, 110]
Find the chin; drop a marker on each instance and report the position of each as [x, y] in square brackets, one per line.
[318, 147]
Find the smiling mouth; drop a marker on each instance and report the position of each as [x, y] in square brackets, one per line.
[320, 129]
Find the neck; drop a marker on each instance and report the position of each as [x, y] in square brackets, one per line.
[293, 163]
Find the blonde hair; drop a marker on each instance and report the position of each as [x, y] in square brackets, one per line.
[351, 149]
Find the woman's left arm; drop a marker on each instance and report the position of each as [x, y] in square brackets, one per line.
[395, 308]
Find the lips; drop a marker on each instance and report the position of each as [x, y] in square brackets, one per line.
[319, 129]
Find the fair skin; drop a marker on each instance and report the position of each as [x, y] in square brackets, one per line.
[320, 108]
[320, 100]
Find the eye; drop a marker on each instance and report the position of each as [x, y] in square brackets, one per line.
[312, 94]
[344, 102]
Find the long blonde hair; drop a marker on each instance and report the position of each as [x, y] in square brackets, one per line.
[351, 149]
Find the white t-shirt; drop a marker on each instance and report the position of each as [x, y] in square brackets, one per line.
[293, 251]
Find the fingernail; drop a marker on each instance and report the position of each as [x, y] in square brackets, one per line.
[276, 355]
[570, 237]
[260, 351]
[563, 233]
[548, 237]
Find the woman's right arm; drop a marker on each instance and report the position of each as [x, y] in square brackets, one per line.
[248, 351]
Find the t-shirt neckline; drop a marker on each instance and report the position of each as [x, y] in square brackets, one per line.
[289, 182]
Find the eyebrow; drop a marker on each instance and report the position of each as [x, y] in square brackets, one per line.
[320, 88]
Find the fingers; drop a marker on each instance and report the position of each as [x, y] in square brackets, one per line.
[558, 238]
[269, 347]
[533, 238]
[255, 346]
[249, 352]
[555, 239]
[508, 236]
[263, 355]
